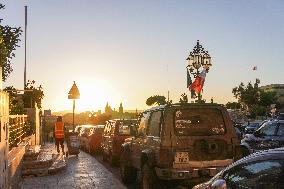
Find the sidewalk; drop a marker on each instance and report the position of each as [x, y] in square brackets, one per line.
[83, 171]
[43, 161]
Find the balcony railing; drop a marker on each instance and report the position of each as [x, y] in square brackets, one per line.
[18, 129]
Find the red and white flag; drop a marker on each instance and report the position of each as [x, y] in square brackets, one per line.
[198, 83]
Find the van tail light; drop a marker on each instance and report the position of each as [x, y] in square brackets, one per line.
[165, 157]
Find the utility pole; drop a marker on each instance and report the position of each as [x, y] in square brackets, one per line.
[25, 67]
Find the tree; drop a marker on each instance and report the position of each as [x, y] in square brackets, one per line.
[9, 39]
[253, 99]
[233, 105]
[248, 95]
[32, 95]
[156, 99]
[15, 106]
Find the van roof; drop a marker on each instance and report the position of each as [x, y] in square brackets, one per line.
[185, 104]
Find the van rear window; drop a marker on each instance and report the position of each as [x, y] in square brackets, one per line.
[199, 122]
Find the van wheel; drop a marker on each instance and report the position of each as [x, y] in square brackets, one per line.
[148, 178]
[128, 174]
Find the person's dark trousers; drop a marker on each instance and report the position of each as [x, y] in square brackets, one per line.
[59, 141]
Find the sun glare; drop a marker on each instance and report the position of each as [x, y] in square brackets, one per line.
[94, 95]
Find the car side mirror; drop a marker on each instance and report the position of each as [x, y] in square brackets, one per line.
[219, 184]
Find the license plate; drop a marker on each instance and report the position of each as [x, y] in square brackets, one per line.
[181, 157]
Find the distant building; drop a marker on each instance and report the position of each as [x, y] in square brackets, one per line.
[108, 109]
[47, 113]
[120, 109]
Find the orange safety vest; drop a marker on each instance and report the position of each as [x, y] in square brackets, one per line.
[59, 130]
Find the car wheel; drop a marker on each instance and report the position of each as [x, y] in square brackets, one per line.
[245, 151]
[128, 174]
[148, 178]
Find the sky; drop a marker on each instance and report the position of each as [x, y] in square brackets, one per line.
[125, 51]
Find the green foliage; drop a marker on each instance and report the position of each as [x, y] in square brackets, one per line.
[15, 106]
[156, 99]
[254, 100]
[9, 39]
[268, 97]
[248, 95]
[233, 105]
[29, 128]
[34, 95]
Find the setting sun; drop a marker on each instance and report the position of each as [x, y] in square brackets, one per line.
[95, 94]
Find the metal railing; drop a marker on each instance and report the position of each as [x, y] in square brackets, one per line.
[17, 129]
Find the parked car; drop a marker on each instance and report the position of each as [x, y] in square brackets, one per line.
[78, 129]
[83, 135]
[280, 116]
[115, 132]
[94, 139]
[260, 170]
[250, 128]
[269, 135]
[183, 142]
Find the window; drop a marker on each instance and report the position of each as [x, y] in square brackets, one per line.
[144, 117]
[264, 174]
[268, 129]
[280, 131]
[155, 123]
[199, 122]
[107, 129]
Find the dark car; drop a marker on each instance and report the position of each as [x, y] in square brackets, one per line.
[115, 132]
[269, 135]
[280, 116]
[260, 170]
[182, 142]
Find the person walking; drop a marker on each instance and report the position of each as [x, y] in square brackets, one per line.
[59, 134]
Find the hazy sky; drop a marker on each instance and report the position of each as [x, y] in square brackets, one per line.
[125, 51]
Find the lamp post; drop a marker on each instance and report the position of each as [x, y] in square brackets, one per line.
[74, 94]
[198, 60]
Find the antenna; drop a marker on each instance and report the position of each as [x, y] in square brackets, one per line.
[25, 68]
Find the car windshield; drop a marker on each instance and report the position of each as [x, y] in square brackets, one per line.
[254, 125]
[98, 130]
[199, 122]
[125, 126]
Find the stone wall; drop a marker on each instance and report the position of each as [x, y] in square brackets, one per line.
[15, 162]
[34, 119]
[4, 136]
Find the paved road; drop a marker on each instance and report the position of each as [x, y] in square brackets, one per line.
[82, 172]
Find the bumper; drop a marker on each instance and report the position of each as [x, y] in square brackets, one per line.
[176, 174]
[193, 170]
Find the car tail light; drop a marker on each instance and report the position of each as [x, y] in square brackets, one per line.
[165, 157]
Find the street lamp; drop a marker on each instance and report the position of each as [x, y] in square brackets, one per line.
[198, 60]
[74, 94]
